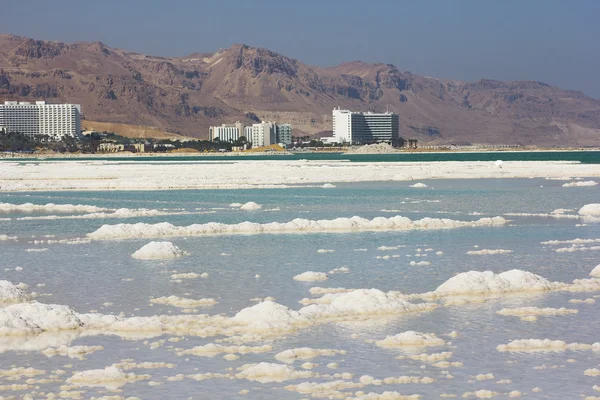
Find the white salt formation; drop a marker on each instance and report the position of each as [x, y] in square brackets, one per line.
[158, 251]
[182, 302]
[596, 271]
[9, 292]
[411, 339]
[534, 311]
[34, 318]
[109, 377]
[474, 282]
[591, 210]
[94, 175]
[310, 276]
[544, 345]
[328, 186]
[212, 349]
[298, 225]
[487, 252]
[418, 185]
[580, 184]
[270, 372]
[50, 207]
[71, 352]
[250, 206]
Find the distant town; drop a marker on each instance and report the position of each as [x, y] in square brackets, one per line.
[40, 126]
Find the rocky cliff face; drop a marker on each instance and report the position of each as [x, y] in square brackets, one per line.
[186, 95]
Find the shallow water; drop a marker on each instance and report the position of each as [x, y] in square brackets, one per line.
[86, 276]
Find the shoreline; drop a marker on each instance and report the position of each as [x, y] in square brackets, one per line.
[92, 175]
[66, 156]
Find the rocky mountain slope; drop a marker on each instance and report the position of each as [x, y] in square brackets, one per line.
[186, 95]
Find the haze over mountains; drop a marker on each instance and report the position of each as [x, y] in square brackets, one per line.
[186, 95]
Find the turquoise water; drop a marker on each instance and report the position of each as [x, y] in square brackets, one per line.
[585, 157]
[103, 276]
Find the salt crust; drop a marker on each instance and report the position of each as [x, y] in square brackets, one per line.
[418, 185]
[333, 389]
[93, 175]
[384, 396]
[580, 184]
[574, 248]
[590, 210]
[72, 352]
[310, 276]
[484, 377]
[182, 302]
[158, 251]
[571, 241]
[325, 251]
[328, 186]
[269, 372]
[211, 350]
[596, 271]
[411, 338]
[188, 275]
[419, 263]
[305, 353]
[487, 251]
[298, 225]
[428, 358]
[50, 207]
[19, 372]
[250, 206]
[544, 345]
[480, 394]
[110, 377]
[592, 372]
[532, 311]
[10, 292]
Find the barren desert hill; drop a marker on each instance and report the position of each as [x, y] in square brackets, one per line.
[188, 94]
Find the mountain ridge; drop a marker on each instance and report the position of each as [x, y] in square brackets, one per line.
[187, 94]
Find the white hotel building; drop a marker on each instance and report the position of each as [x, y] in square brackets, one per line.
[54, 120]
[364, 127]
[261, 134]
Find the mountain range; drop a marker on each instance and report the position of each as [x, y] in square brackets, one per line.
[185, 95]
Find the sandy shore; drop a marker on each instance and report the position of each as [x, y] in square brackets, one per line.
[107, 175]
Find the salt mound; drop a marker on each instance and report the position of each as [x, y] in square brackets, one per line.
[109, 377]
[158, 251]
[544, 345]
[11, 292]
[580, 184]
[361, 302]
[50, 207]
[488, 252]
[269, 372]
[250, 206]
[475, 282]
[268, 316]
[596, 271]
[411, 338]
[590, 210]
[328, 186]
[183, 302]
[418, 185]
[298, 225]
[33, 318]
[375, 148]
[310, 276]
[305, 353]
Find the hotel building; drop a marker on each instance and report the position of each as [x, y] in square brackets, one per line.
[54, 120]
[364, 127]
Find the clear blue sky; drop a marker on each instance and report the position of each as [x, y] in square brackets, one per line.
[554, 41]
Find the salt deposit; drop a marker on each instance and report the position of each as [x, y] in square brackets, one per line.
[250, 206]
[92, 175]
[158, 251]
[269, 372]
[596, 271]
[474, 283]
[187, 275]
[487, 252]
[418, 185]
[310, 276]
[181, 302]
[212, 349]
[419, 263]
[50, 207]
[411, 339]
[9, 292]
[109, 377]
[544, 345]
[72, 352]
[591, 210]
[34, 318]
[354, 224]
[580, 184]
[328, 186]
[325, 251]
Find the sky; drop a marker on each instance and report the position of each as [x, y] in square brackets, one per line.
[553, 41]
